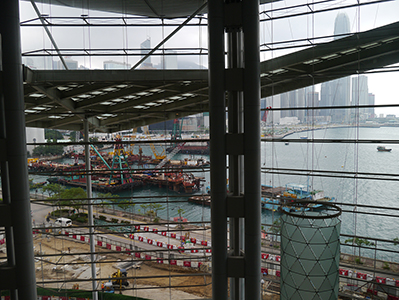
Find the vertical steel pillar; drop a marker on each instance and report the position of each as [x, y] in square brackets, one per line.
[235, 128]
[252, 163]
[217, 109]
[90, 209]
[19, 273]
[239, 83]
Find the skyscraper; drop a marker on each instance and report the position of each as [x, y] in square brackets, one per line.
[371, 110]
[360, 94]
[341, 25]
[169, 60]
[337, 92]
[145, 49]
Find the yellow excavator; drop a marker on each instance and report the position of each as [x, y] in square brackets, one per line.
[119, 280]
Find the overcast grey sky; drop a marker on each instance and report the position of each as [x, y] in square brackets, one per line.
[362, 18]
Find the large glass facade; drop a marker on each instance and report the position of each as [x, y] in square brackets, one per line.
[328, 133]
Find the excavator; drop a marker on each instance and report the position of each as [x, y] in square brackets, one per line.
[119, 280]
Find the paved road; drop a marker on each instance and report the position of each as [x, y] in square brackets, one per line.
[39, 212]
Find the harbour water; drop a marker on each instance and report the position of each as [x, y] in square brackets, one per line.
[349, 159]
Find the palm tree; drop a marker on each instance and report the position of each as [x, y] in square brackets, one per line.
[359, 242]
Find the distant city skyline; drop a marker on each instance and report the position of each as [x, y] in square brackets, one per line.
[381, 84]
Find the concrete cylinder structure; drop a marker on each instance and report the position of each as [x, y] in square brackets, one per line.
[310, 252]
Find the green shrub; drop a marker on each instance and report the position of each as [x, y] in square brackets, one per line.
[103, 218]
[84, 215]
[113, 220]
[60, 213]
[125, 222]
[81, 219]
[386, 266]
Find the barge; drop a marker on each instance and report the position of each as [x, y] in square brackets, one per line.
[285, 198]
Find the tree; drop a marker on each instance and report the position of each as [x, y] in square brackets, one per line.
[71, 196]
[53, 189]
[181, 212]
[359, 242]
[276, 226]
[153, 210]
[124, 204]
[52, 134]
[52, 148]
[157, 207]
[75, 136]
[144, 207]
[275, 229]
[107, 195]
[94, 139]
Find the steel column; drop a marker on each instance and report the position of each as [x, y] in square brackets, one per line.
[236, 184]
[5, 194]
[20, 233]
[90, 209]
[252, 163]
[217, 109]
[240, 81]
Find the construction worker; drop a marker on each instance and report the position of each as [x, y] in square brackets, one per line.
[102, 286]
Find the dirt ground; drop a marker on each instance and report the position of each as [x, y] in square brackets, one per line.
[73, 262]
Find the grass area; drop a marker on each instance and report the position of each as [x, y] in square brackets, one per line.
[79, 294]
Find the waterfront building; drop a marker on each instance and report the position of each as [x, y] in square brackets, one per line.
[39, 63]
[116, 65]
[169, 60]
[70, 63]
[34, 135]
[371, 101]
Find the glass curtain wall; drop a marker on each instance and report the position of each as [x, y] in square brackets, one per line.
[152, 216]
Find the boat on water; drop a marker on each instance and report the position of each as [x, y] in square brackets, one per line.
[200, 199]
[287, 198]
[280, 198]
[383, 149]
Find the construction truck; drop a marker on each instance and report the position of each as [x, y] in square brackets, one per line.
[119, 280]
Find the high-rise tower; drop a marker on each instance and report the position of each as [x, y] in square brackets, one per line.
[341, 25]
[337, 92]
[145, 49]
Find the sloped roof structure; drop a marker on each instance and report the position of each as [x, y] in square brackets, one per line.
[115, 100]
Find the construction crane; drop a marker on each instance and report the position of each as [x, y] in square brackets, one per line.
[176, 131]
[266, 112]
[157, 155]
[171, 154]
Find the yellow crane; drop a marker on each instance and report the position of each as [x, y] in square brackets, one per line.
[157, 155]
